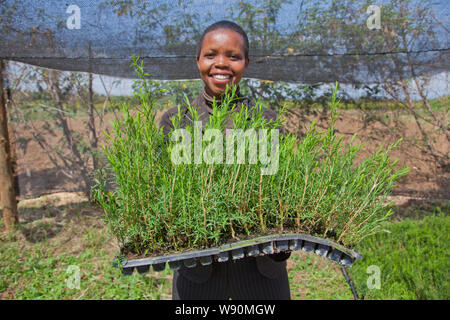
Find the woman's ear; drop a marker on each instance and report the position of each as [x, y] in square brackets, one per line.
[247, 62]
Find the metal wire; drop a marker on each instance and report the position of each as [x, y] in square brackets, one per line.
[350, 282]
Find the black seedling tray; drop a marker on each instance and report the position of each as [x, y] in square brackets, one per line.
[251, 248]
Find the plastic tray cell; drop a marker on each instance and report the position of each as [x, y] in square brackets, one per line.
[237, 253]
[206, 260]
[335, 255]
[238, 250]
[190, 263]
[127, 271]
[159, 266]
[346, 261]
[282, 245]
[267, 248]
[309, 246]
[295, 244]
[253, 251]
[322, 250]
[175, 265]
[223, 256]
[143, 269]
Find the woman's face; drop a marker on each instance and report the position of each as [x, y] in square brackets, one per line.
[222, 60]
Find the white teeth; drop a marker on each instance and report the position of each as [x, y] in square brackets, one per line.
[221, 76]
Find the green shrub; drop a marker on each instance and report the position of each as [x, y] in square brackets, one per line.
[161, 205]
[413, 259]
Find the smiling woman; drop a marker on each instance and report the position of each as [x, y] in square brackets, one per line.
[222, 57]
[161, 207]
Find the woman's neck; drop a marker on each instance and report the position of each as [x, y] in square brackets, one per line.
[210, 97]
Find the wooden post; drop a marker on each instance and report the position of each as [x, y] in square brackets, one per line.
[92, 131]
[93, 134]
[7, 194]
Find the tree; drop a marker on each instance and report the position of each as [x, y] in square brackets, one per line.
[410, 30]
[401, 56]
[7, 194]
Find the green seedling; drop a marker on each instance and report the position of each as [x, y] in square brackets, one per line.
[155, 206]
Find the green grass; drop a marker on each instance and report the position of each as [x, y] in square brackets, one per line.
[37, 267]
[37, 274]
[34, 266]
[413, 259]
[315, 278]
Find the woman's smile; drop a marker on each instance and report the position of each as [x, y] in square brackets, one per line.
[222, 60]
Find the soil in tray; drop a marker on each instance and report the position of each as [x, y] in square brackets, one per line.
[241, 237]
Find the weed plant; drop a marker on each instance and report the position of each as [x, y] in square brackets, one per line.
[159, 206]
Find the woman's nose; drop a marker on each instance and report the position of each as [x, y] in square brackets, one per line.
[221, 61]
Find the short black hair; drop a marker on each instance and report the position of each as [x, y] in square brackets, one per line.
[224, 24]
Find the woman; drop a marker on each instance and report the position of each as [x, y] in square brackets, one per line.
[222, 58]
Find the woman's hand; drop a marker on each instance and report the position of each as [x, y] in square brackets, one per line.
[279, 257]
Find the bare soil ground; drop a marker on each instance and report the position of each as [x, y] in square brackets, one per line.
[426, 180]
